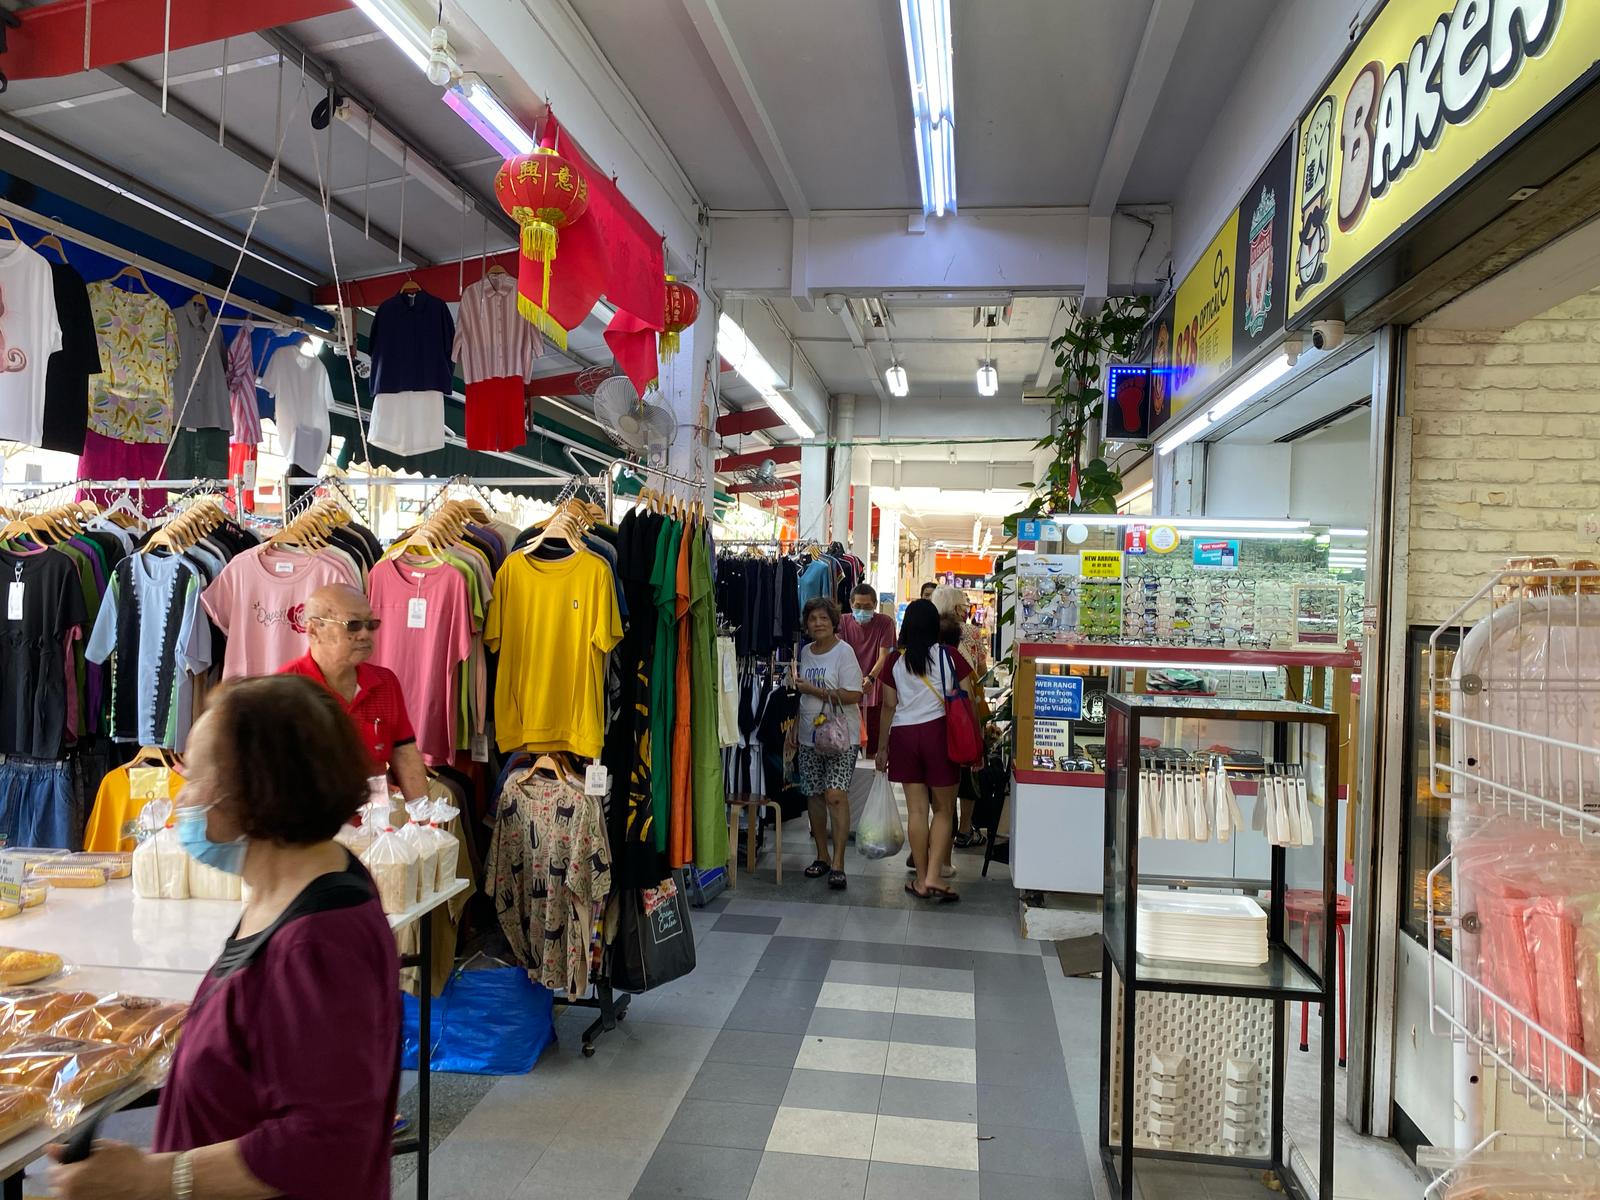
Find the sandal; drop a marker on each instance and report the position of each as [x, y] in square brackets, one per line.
[943, 896]
[911, 889]
[967, 841]
[837, 881]
[817, 869]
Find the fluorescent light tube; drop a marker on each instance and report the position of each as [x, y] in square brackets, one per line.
[895, 377]
[1207, 523]
[389, 144]
[488, 117]
[1140, 665]
[925, 25]
[754, 369]
[988, 380]
[401, 27]
[1352, 533]
[1240, 394]
[1143, 489]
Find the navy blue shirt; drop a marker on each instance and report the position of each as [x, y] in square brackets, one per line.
[410, 343]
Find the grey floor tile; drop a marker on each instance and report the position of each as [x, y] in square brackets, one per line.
[740, 1083]
[754, 1048]
[931, 1099]
[740, 923]
[937, 978]
[1016, 1037]
[869, 951]
[836, 1091]
[1031, 1108]
[708, 1172]
[994, 1185]
[720, 1123]
[844, 1022]
[876, 925]
[1042, 1153]
[948, 957]
[795, 958]
[769, 1018]
[1038, 1070]
[781, 991]
[706, 1011]
[809, 1177]
[877, 974]
[1022, 1007]
[896, 1181]
[639, 1038]
[934, 1031]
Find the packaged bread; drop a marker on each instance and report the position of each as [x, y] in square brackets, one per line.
[420, 837]
[25, 1010]
[26, 966]
[208, 883]
[34, 893]
[20, 1110]
[65, 874]
[116, 864]
[72, 1072]
[393, 867]
[160, 865]
[10, 908]
[440, 815]
[142, 1023]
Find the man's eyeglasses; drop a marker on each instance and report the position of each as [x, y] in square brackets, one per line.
[356, 625]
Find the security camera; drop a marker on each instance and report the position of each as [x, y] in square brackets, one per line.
[1325, 335]
[1292, 346]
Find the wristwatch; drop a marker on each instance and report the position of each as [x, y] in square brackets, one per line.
[183, 1177]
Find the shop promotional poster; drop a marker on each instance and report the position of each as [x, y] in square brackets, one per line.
[1430, 94]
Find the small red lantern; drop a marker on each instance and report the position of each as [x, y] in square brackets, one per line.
[683, 306]
[543, 193]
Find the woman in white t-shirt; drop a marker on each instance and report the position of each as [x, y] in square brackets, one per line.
[828, 679]
[911, 741]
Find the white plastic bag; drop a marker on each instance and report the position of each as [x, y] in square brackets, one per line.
[440, 815]
[425, 839]
[160, 865]
[393, 867]
[880, 833]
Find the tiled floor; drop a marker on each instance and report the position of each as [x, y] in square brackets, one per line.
[853, 1045]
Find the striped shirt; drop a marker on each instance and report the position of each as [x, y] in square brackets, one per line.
[494, 340]
[242, 389]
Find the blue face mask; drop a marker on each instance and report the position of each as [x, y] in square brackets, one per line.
[863, 615]
[224, 856]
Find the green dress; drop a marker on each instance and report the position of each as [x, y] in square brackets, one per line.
[663, 677]
[710, 810]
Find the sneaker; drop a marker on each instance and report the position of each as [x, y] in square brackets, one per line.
[947, 872]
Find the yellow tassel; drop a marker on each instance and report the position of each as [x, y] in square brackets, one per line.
[542, 319]
[539, 240]
[669, 343]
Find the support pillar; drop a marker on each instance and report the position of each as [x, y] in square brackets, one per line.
[861, 535]
[887, 567]
[813, 492]
[844, 432]
[688, 388]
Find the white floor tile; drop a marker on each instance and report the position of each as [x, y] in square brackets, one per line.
[862, 1056]
[951, 1064]
[926, 1002]
[918, 1142]
[828, 1134]
[864, 997]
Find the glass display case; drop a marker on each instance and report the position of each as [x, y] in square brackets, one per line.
[1425, 795]
[1196, 1009]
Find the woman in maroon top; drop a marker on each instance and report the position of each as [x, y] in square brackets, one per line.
[286, 1072]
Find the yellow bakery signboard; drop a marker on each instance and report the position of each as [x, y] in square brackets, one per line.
[1431, 90]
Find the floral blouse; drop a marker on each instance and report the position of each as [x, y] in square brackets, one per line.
[131, 400]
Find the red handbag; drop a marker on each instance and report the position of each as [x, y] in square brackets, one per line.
[963, 738]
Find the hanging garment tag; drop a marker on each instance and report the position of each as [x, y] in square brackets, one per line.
[250, 475]
[596, 780]
[480, 747]
[417, 612]
[14, 601]
[283, 568]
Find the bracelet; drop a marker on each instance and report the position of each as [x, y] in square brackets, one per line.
[183, 1177]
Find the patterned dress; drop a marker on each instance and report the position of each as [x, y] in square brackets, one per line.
[549, 869]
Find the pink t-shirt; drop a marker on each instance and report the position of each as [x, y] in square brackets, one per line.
[868, 641]
[259, 601]
[427, 657]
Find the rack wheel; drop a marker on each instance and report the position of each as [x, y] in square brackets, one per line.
[588, 1049]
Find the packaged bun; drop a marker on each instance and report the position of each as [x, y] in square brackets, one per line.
[425, 840]
[116, 864]
[34, 893]
[160, 866]
[69, 875]
[139, 1022]
[440, 815]
[72, 1072]
[393, 867]
[36, 1010]
[26, 966]
[208, 883]
[20, 1110]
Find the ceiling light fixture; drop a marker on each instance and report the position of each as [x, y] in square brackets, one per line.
[988, 378]
[312, 346]
[895, 377]
[476, 104]
[1351, 533]
[389, 144]
[1144, 489]
[929, 62]
[1241, 393]
[1206, 523]
[754, 369]
[401, 26]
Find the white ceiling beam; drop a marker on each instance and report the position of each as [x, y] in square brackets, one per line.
[1163, 32]
[799, 271]
[1096, 263]
[715, 35]
[845, 311]
[1046, 373]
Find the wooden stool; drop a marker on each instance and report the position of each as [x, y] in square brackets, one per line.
[752, 804]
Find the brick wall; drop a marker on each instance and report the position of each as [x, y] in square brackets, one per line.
[1504, 428]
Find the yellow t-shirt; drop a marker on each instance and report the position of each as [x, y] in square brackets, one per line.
[111, 824]
[552, 624]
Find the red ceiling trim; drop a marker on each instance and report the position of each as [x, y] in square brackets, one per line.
[50, 39]
[444, 280]
[754, 458]
[751, 420]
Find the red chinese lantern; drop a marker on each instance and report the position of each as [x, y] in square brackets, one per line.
[683, 306]
[543, 193]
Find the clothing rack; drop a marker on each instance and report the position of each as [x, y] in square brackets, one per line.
[111, 250]
[640, 470]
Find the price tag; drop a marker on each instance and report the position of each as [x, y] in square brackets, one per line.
[250, 475]
[149, 783]
[480, 747]
[11, 880]
[417, 612]
[14, 601]
[596, 780]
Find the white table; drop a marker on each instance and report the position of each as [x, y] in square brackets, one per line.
[118, 942]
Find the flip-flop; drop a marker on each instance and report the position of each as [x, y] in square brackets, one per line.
[911, 889]
[837, 881]
[943, 896]
[817, 869]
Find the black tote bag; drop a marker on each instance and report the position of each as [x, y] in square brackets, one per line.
[652, 948]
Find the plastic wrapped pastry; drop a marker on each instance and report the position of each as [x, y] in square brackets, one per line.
[144, 1024]
[72, 1072]
[67, 874]
[418, 839]
[20, 1110]
[116, 864]
[160, 865]
[35, 1010]
[393, 867]
[27, 966]
[440, 815]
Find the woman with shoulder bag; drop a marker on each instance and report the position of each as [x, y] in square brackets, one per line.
[827, 734]
[914, 741]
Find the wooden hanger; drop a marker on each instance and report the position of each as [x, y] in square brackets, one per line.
[51, 242]
[151, 756]
[410, 287]
[554, 763]
[136, 275]
[496, 269]
[5, 223]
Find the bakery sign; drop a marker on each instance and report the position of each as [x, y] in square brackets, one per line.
[1430, 93]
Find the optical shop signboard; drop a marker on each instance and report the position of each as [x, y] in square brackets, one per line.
[1231, 302]
[1429, 95]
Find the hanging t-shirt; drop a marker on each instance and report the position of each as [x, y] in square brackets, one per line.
[552, 623]
[29, 335]
[259, 601]
[835, 669]
[243, 406]
[131, 399]
[42, 613]
[151, 622]
[815, 580]
[425, 637]
[113, 823]
[66, 386]
[206, 404]
[299, 385]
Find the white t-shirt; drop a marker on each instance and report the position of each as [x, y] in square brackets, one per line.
[836, 668]
[918, 698]
[29, 335]
[303, 395]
